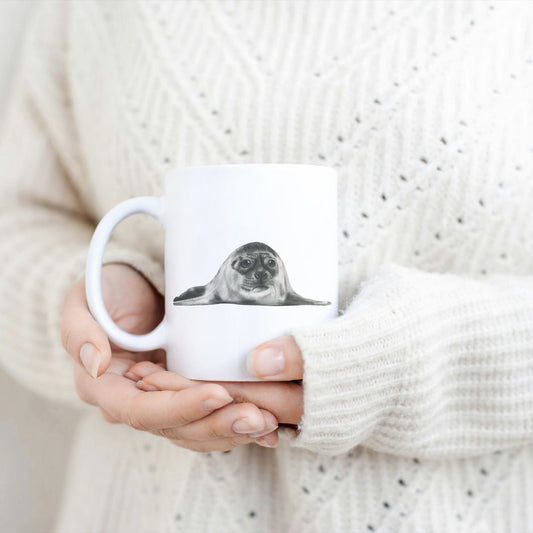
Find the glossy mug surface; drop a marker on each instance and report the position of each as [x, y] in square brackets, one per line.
[250, 253]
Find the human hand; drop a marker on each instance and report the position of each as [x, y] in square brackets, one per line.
[190, 415]
[278, 361]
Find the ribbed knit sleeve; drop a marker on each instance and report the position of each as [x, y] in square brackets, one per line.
[425, 364]
[44, 227]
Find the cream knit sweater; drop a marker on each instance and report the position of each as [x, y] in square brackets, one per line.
[419, 399]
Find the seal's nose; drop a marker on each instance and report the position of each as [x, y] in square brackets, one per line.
[260, 274]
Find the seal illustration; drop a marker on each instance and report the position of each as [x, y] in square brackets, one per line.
[253, 274]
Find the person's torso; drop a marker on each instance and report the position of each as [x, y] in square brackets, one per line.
[424, 110]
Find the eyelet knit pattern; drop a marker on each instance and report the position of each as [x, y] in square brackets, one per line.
[418, 399]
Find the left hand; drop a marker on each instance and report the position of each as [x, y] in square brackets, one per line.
[278, 362]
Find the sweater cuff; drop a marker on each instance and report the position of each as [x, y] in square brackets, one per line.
[434, 365]
[352, 367]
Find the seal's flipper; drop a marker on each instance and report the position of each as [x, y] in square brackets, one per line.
[193, 292]
[293, 298]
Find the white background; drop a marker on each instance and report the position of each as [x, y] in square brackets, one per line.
[35, 435]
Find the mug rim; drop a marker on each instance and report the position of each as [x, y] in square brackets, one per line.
[177, 169]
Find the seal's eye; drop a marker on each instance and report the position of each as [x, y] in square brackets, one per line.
[245, 263]
[271, 263]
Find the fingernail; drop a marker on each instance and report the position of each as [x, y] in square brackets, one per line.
[243, 425]
[90, 357]
[268, 441]
[267, 430]
[131, 375]
[265, 362]
[216, 403]
[145, 386]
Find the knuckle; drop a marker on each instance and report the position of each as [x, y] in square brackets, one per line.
[237, 394]
[198, 447]
[141, 367]
[132, 417]
[212, 431]
[248, 410]
[167, 433]
[212, 389]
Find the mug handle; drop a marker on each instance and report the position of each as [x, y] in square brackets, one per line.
[150, 205]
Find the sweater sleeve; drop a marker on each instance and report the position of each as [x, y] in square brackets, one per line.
[44, 224]
[421, 364]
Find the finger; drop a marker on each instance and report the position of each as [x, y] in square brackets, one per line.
[226, 444]
[218, 445]
[165, 380]
[87, 387]
[279, 359]
[284, 400]
[146, 387]
[155, 410]
[81, 335]
[144, 368]
[158, 356]
[268, 441]
[231, 421]
[162, 409]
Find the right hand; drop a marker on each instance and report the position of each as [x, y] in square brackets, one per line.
[100, 367]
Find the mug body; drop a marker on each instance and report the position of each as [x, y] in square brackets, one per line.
[250, 253]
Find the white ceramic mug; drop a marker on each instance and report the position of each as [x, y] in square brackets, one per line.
[250, 253]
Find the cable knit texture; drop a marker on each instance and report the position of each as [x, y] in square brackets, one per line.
[418, 400]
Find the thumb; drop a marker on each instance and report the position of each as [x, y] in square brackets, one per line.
[81, 335]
